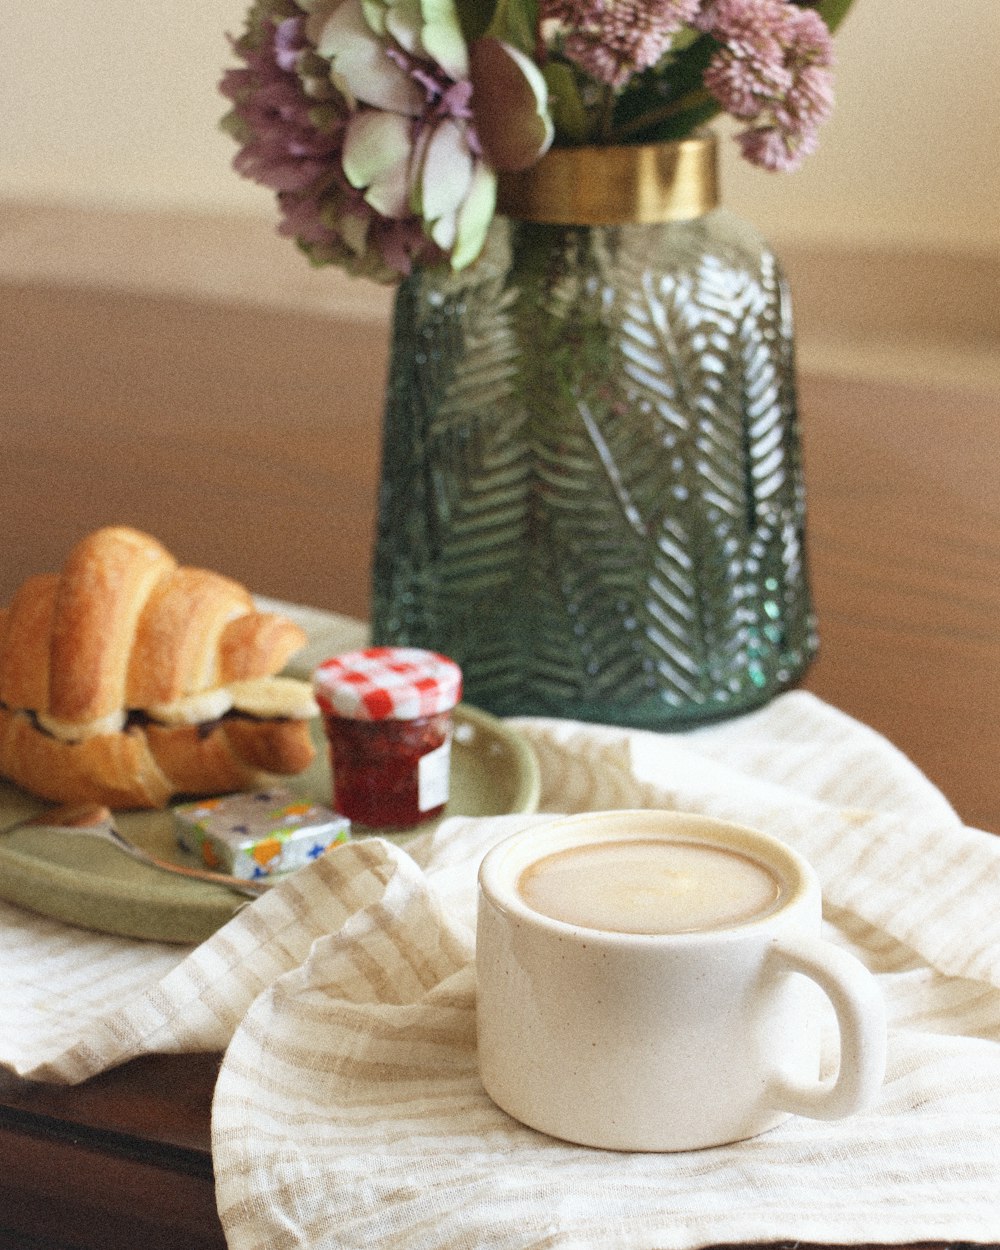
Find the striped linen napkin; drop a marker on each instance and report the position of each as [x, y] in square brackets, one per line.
[349, 1112]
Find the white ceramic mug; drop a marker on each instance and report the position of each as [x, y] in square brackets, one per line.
[666, 1041]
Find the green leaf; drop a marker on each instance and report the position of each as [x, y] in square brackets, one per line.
[516, 22]
[565, 105]
[668, 101]
[681, 124]
[235, 126]
[474, 17]
[832, 12]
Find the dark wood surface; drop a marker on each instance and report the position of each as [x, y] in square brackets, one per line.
[276, 483]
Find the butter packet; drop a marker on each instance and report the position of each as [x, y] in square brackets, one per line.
[266, 833]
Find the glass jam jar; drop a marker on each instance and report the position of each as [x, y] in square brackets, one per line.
[387, 712]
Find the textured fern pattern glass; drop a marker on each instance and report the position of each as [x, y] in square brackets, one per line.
[592, 493]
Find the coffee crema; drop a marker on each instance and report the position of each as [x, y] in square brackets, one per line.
[649, 886]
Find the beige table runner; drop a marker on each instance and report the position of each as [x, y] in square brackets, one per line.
[349, 1113]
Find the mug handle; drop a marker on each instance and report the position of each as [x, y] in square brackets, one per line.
[860, 1011]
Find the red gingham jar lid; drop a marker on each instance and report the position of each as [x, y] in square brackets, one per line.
[388, 683]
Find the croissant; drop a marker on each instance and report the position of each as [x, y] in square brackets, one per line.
[127, 679]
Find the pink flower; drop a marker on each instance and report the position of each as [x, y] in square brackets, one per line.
[613, 39]
[772, 70]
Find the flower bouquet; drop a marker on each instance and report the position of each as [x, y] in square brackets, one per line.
[382, 125]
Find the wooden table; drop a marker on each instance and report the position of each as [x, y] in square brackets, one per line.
[904, 529]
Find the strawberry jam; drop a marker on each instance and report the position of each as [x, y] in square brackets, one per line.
[390, 772]
[388, 718]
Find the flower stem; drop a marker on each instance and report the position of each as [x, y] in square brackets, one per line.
[606, 115]
[693, 99]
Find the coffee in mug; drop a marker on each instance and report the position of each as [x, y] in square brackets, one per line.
[652, 980]
[649, 885]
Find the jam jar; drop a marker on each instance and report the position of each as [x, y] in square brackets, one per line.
[387, 712]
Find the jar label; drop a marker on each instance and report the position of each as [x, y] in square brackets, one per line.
[433, 771]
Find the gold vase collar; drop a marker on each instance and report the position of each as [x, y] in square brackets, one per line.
[610, 186]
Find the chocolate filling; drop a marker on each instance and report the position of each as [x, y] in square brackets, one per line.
[138, 719]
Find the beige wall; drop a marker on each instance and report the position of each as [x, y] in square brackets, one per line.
[912, 154]
[113, 104]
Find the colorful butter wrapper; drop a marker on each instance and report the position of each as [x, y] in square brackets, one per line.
[262, 834]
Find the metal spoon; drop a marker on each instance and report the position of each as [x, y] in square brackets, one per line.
[96, 821]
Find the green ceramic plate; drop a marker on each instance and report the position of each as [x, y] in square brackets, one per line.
[90, 883]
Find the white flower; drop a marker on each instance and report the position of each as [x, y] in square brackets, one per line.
[431, 119]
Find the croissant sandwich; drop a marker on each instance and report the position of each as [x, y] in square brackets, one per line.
[126, 679]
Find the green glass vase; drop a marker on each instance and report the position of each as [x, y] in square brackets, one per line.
[591, 491]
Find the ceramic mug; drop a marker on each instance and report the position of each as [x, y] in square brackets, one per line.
[656, 1040]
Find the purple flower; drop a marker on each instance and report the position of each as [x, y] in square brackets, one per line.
[611, 40]
[773, 70]
[285, 150]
